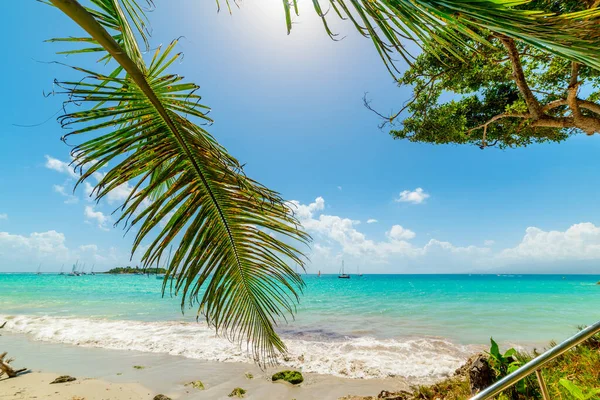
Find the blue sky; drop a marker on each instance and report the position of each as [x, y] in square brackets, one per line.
[290, 108]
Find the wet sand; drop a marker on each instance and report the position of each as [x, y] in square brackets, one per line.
[110, 374]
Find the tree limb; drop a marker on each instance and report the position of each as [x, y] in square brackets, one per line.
[519, 76]
[496, 118]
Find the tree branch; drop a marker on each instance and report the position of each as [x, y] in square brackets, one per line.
[496, 118]
[5, 367]
[519, 76]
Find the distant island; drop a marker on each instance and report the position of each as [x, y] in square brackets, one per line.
[136, 271]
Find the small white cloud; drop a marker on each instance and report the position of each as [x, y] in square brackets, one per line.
[372, 221]
[96, 216]
[60, 189]
[87, 190]
[339, 188]
[417, 196]
[489, 242]
[119, 194]
[3, 216]
[89, 248]
[60, 166]
[399, 233]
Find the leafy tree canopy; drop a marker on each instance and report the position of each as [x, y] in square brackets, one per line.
[506, 94]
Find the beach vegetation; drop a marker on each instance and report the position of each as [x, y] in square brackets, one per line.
[136, 270]
[506, 93]
[578, 392]
[196, 385]
[248, 375]
[63, 379]
[235, 239]
[575, 373]
[238, 392]
[293, 377]
[139, 367]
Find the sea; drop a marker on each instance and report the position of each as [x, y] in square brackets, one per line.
[419, 327]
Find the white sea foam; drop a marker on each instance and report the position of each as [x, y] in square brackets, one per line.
[363, 357]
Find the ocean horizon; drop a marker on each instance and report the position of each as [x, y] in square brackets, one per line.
[375, 326]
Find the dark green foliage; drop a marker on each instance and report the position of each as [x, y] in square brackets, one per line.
[136, 270]
[507, 363]
[293, 377]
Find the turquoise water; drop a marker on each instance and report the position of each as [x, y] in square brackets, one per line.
[373, 313]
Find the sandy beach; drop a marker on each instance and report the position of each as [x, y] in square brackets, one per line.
[110, 374]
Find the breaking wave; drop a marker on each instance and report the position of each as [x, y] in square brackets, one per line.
[419, 359]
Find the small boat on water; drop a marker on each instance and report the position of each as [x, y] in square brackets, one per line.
[62, 270]
[358, 271]
[39, 269]
[319, 274]
[74, 270]
[343, 275]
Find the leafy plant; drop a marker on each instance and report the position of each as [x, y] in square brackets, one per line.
[505, 364]
[579, 393]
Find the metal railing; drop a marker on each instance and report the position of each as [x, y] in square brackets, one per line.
[535, 365]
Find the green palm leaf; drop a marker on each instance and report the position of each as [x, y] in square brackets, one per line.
[232, 235]
[445, 24]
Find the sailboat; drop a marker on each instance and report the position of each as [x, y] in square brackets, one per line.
[62, 270]
[74, 270]
[319, 275]
[343, 275]
[38, 270]
[93, 273]
[358, 271]
[83, 270]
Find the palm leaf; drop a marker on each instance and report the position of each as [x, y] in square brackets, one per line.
[445, 24]
[232, 235]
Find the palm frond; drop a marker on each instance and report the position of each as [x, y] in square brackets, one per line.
[231, 235]
[439, 24]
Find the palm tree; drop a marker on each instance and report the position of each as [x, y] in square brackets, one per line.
[233, 237]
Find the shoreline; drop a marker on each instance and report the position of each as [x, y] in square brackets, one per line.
[98, 368]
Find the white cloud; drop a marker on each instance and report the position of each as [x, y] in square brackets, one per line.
[42, 245]
[371, 221]
[339, 188]
[89, 247]
[417, 196]
[399, 233]
[61, 189]
[331, 232]
[3, 216]
[60, 166]
[92, 215]
[119, 194]
[578, 242]
[26, 252]
[488, 242]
